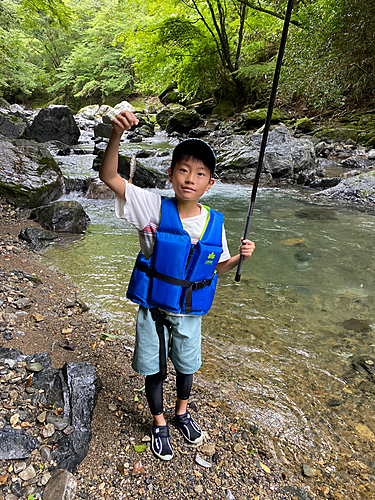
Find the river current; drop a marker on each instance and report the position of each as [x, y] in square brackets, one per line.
[291, 347]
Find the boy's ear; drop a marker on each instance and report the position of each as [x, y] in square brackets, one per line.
[210, 184]
[170, 174]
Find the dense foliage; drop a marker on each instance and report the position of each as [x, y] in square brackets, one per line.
[79, 52]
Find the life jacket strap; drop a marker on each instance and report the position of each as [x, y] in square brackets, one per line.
[151, 273]
[160, 322]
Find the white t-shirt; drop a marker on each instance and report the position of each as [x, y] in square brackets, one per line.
[142, 209]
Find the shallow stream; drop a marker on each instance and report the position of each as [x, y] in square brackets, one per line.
[281, 346]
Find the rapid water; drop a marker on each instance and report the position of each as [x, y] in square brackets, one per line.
[284, 346]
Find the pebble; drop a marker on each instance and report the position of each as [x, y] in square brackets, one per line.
[34, 367]
[28, 473]
[48, 430]
[208, 449]
[307, 470]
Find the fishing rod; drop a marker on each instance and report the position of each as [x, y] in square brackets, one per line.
[266, 128]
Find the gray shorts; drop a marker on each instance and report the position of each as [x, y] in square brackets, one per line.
[185, 351]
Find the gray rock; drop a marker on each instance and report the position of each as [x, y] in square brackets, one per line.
[78, 184]
[59, 423]
[183, 121]
[13, 124]
[83, 386]
[285, 158]
[307, 470]
[359, 189]
[54, 123]
[37, 238]
[29, 175]
[103, 130]
[327, 182]
[99, 191]
[62, 216]
[61, 486]
[144, 177]
[16, 444]
[356, 162]
[28, 473]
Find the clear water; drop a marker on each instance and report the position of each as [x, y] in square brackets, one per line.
[278, 345]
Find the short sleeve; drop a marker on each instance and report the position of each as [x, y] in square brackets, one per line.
[225, 255]
[140, 208]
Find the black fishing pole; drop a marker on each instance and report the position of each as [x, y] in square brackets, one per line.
[266, 128]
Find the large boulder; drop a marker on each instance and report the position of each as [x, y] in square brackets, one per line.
[62, 217]
[29, 175]
[54, 123]
[183, 121]
[144, 177]
[285, 157]
[37, 238]
[359, 189]
[13, 122]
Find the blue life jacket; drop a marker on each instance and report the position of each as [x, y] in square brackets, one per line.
[178, 277]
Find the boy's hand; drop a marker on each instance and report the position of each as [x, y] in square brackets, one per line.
[246, 248]
[124, 121]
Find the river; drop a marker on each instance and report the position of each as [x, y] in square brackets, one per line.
[291, 346]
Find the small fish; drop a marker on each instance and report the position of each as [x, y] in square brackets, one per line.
[292, 242]
[133, 166]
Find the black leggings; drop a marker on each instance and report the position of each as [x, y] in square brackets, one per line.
[154, 390]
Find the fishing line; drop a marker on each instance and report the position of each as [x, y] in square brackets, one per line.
[266, 128]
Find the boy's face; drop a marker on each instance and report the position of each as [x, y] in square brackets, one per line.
[190, 179]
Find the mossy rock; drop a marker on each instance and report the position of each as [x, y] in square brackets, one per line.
[225, 109]
[339, 134]
[304, 125]
[257, 118]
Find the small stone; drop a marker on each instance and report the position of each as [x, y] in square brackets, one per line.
[208, 449]
[45, 453]
[14, 419]
[59, 423]
[307, 470]
[238, 447]
[198, 489]
[112, 407]
[146, 439]
[68, 430]
[41, 418]
[45, 478]
[28, 473]
[230, 495]
[61, 485]
[30, 389]
[34, 367]
[19, 467]
[13, 395]
[37, 317]
[48, 430]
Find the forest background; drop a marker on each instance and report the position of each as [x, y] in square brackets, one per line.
[79, 52]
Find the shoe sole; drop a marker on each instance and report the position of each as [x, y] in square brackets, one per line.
[162, 457]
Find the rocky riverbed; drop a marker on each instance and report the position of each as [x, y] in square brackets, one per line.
[41, 311]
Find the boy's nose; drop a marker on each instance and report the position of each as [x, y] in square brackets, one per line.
[190, 178]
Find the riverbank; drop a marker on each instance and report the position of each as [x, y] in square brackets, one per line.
[242, 467]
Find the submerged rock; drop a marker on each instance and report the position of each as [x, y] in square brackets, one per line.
[37, 238]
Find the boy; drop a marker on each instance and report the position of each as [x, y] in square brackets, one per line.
[182, 243]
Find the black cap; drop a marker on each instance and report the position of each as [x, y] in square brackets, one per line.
[197, 149]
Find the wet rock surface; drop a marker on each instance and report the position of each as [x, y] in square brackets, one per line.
[29, 174]
[62, 216]
[233, 461]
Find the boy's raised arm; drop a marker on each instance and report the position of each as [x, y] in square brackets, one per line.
[108, 168]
